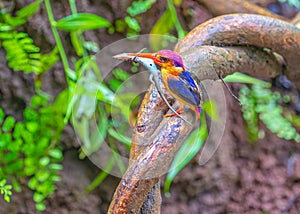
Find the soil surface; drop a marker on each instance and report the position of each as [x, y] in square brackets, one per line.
[263, 177]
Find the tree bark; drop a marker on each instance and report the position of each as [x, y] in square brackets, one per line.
[220, 46]
[219, 7]
[249, 30]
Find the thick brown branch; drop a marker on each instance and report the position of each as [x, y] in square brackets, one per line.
[149, 117]
[296, 20]
[154, 145]
[210, 62]
[152, 149]
[157, 139]
[220, 7]
[253, 30]
[152, 203]
[150, 165]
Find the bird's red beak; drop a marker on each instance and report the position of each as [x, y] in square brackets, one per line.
[131, 56]
[148, 60]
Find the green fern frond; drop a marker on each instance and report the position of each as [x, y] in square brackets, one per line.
[21, 53]
[49, 59]
[260, 102]
[12, 21]
[249, 113]
[22, 15]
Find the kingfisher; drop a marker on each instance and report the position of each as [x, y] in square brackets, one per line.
[177, 80]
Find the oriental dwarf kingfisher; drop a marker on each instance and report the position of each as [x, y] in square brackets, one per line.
[178, 82]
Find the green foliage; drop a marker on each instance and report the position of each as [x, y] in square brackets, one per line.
[30, 149]
[164, 25]
[244, 78]
[140, 6]
[21, 53]
[29, 10]
[89, 96]
[133, 25]
[192, 145]
[210, 108]
[82, 21]
[5, 190]
[93, 99]
[123, 139]
[259, 102]
[130, 24]
[8, 22]
[186, 153]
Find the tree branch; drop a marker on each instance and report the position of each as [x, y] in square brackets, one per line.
[209, 62]
[249, 30]
[157, 139]
[220, 7]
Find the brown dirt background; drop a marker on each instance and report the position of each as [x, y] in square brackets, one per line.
[263, 177]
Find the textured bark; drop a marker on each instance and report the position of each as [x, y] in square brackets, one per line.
[296, 20]
[219, 7]
[249, 30]
[157, 139]
[153, 201]
[155, 143]
[210, 62]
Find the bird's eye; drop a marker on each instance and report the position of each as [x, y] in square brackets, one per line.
[164, 59]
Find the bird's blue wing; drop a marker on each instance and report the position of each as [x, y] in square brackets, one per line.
[185, 87]
[191, 84]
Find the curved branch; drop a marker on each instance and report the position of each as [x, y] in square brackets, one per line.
[220, 7]
[247, 29]
[210, 62]
[157, 139]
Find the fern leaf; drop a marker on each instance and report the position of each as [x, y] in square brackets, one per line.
[262, 102]
[23, 55]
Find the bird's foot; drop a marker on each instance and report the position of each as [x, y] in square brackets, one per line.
[179, 111]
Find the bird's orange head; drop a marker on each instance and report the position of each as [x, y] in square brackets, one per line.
[165, 59]
[176, 79]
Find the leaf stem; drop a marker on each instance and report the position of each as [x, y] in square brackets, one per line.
[69, 72]
[73, 6]
[179, 29]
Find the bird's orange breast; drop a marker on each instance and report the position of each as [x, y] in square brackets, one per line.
[170, 69]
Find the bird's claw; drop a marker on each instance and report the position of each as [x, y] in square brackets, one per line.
[178, 111]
